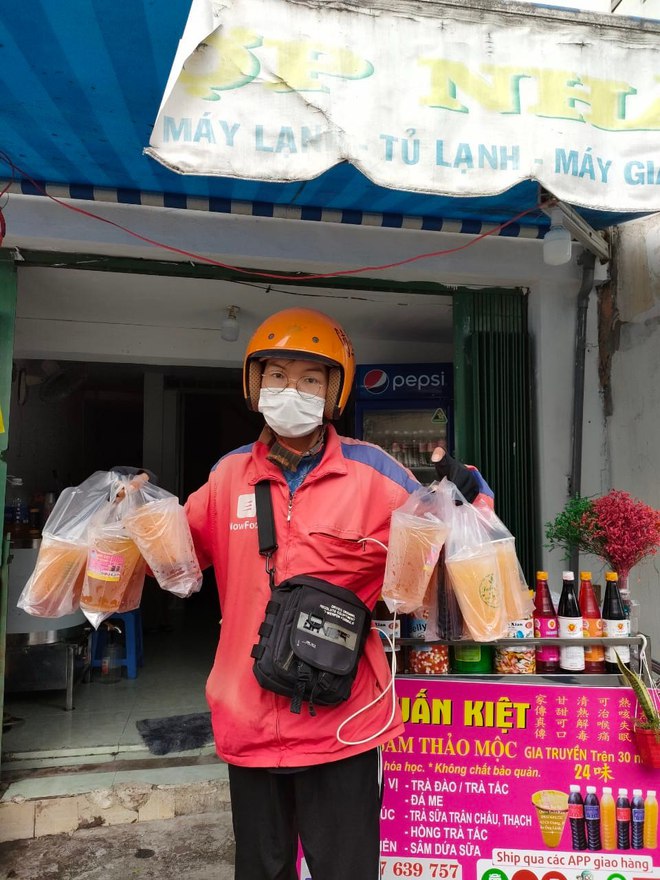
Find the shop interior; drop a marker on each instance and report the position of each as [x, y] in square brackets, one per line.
[70, 418]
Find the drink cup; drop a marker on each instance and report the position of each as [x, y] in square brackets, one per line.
[54, 587]
[414, 547]
[551, 811]
[517, 601]
[160, 530]
[478, 587]
[114, 576]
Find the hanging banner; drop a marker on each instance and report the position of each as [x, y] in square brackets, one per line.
[450, 100]
[478, 787]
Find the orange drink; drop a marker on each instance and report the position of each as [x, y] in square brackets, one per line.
[478, 587]
[651, 821]
[160, 530]
[517, 601]
[414, 547]
[54, 587]
[114, 574]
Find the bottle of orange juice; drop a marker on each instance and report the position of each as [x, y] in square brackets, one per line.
[650, 821]
[608, 819]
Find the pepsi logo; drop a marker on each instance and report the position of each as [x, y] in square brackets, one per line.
[376, 381]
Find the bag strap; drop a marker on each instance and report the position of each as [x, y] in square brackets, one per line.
[266, 526]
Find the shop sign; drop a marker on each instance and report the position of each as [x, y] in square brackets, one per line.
[449, 100]
[477, 786]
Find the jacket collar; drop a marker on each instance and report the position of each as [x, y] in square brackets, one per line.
[333, 461]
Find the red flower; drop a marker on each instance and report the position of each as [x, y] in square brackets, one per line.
[625, 530]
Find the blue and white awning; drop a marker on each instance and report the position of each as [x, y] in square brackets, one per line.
[82, 83]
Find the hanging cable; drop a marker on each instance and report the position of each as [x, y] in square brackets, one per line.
[201, 258]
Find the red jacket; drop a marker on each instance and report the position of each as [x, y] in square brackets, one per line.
[349, 495]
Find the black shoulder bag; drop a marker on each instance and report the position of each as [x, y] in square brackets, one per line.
[313, 633]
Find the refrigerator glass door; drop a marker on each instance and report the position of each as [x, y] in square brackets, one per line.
[409, 435]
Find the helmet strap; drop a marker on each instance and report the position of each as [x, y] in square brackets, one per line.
[332, 394]
[255, 371]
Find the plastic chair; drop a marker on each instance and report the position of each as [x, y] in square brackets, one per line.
[130, 624]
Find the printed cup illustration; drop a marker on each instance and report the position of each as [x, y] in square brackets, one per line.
[551, 811]
[413, 550]
[56, 582]
[478, 587]
[160, 530]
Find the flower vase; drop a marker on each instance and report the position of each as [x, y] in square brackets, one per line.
[647, 740]
[624, 585]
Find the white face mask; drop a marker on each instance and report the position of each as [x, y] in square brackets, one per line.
[289, 414]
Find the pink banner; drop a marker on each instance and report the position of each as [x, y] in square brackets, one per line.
[477, 788]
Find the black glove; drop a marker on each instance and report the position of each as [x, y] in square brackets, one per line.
[125, 471]
[462, 477]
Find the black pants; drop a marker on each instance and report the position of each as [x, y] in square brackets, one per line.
[334, 808]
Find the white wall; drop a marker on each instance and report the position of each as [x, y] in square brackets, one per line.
[553, 313]
[634, 427]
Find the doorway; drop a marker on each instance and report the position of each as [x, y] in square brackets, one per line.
[61, 439]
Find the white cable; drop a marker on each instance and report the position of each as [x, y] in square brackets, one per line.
[392, 643]
[375, 541]
[379, 751]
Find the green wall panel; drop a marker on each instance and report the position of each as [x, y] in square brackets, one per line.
[494, 405]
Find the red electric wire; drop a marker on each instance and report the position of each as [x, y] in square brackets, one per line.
[301, 275]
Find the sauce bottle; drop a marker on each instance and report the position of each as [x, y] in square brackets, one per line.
[615, 623]
[637, 819]
[608, 819]
[571, 659]
[576, 818]
[592, 818]
[592, 625]
[650, 821]
[623, 820]
[545, 626]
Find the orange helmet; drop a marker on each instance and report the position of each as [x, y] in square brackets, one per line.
[303, 334]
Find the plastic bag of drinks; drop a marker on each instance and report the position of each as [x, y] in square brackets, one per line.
[417, 535]
[448, 618]
[157, 523]
[54, 587]
[472, 564]
[115, 569]
[517, 599]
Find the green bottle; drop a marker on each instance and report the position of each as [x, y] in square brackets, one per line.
[472, 658]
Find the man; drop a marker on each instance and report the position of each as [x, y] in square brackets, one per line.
[290, 774]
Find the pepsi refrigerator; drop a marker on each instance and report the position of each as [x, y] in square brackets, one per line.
[407, 409]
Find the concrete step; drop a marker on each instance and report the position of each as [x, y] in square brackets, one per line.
[62, 800]
[197, 847]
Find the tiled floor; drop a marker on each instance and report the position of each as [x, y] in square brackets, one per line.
[102, 724]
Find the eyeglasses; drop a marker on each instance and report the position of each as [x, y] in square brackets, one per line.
[276, 381]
